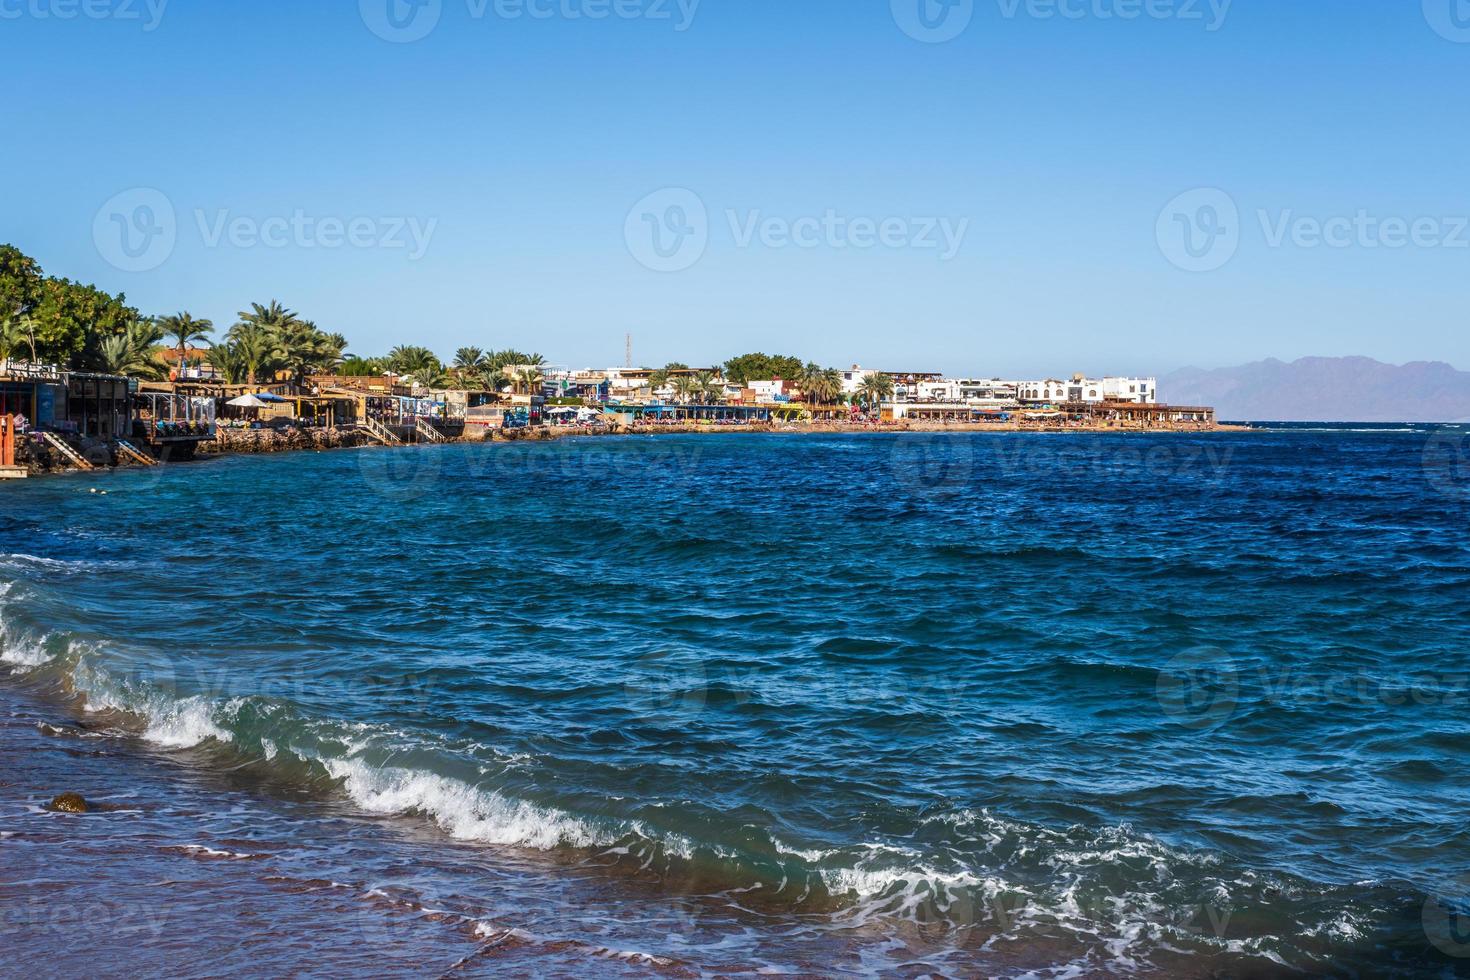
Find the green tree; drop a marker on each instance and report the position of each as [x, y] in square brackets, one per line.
[661, 377]
[253, 346]
[420, 363]
[762, 367]
[14, 336]
[186, 331]
[134, 352]
[70, 320]
[529, 379]
[469, 360]
[708, 389]
[304, 349]
[228, 362]
[20, 283]
[271, 317]
[821, 386]
[363, 367]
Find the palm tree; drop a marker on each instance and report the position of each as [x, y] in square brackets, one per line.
[685, 387]
[529, 378]
[708, 389]
[821, 386]
[661, 377]
[133, 352]
[874, 389]
[469, 360]
[363, 367]
[228, 362]
[304, 349]
[186, 331]
[258, 338]
[12, 337]
[16, 329]
[272, 317]
[256, 348]
[420, 363]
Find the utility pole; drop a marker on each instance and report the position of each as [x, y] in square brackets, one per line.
[628, 351]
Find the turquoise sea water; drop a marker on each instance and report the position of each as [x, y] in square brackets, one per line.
[956, 705]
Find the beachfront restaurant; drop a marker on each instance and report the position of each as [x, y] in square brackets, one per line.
[655, 414]
[944, 412]
[31, 391]
[169, 415]
[92, 405]
[1150, 415]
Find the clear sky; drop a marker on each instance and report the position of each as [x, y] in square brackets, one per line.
[850, 186]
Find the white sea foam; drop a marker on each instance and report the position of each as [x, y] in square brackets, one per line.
[17, 648]
[176, 724]
[462, 810]
[202, 850]
[22, 651]
[183, 724]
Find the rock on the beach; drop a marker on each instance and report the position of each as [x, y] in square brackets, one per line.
[68, 803]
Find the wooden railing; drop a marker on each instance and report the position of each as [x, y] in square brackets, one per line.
[127, 449]
[426, 429]
[381, 432]
[70, 454]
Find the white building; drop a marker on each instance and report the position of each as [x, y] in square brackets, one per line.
[852, 379]
[771, 391]
[1051, 391]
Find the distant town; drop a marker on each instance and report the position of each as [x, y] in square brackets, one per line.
[87, 381]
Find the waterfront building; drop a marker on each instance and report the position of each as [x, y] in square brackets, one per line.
[1085, 390]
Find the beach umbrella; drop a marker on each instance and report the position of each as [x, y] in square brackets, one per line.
[246, 401]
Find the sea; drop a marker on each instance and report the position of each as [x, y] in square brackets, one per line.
[913, 705]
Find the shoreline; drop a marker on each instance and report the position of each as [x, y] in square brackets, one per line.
[258, 442]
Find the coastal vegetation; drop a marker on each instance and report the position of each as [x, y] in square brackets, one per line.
[50, 320]
[762, 367]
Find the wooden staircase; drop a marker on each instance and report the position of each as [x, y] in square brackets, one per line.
[70, 454]
[380, 432]
[425, 429]
[129, 451]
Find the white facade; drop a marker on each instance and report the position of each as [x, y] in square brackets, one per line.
[1051, 391]
[852, 379]
[770, 391]
[1143, 391]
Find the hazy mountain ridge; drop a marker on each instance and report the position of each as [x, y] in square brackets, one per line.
[1326, 389]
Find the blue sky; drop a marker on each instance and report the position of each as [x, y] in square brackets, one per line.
[1055, 148]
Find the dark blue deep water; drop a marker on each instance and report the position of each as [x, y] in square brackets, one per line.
[1001, 705]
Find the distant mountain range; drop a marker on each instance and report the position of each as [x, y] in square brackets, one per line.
[1326, 389]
